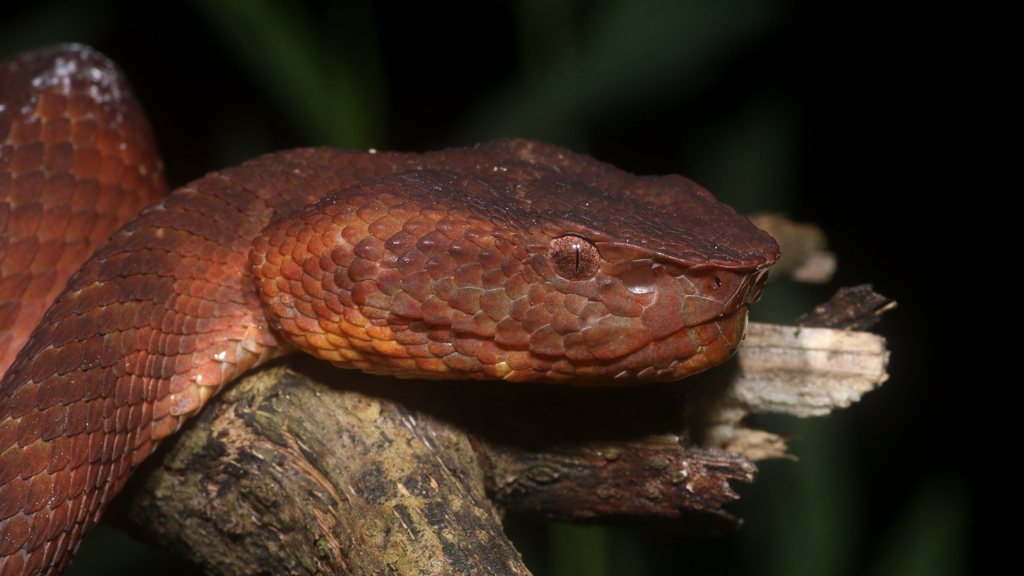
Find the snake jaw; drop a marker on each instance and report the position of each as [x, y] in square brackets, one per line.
[390, 277]
[694, 321]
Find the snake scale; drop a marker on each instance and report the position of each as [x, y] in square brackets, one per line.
[511, 260]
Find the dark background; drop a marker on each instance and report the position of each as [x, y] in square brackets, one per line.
[837, 114]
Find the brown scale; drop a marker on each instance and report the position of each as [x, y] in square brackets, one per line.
[512, 260]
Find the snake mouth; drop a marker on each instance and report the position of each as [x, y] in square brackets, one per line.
[675, 303]
[749, 290]
[687, 328]
[720, 293]
[686, 352]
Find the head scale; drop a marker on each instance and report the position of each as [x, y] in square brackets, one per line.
[515, 260]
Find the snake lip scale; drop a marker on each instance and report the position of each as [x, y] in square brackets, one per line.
[511, 260]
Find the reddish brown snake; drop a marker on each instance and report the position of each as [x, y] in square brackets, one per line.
[511, 260]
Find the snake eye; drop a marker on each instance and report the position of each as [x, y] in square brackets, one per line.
[574, 258]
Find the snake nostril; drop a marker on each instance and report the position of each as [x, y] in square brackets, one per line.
[718, 282]
[574, 258]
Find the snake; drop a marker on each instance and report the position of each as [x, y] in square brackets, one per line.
[123, 308]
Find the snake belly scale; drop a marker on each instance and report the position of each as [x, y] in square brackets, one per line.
[511, 260]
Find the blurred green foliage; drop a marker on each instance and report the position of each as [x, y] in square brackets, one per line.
[659, 85]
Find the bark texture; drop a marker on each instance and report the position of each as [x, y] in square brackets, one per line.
[284, 475]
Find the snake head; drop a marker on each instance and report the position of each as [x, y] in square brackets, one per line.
[514, 260]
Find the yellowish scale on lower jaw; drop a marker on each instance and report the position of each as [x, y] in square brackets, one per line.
[431, 364]
[588, 371]
[404, 363]
[337, 341]
[499, 370]
[518, 376]
[380, 332]
[353, 331]
[333, 356]
[319, 341]
[354, 316]
[390, 348]
[351, 355]
[337, 356]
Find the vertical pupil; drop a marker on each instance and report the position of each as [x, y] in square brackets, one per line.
[576, 249]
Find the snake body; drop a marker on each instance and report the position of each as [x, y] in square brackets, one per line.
[511, 260]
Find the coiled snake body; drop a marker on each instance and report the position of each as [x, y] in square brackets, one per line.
[511, 260]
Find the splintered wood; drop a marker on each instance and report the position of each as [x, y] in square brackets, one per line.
[787, 370]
